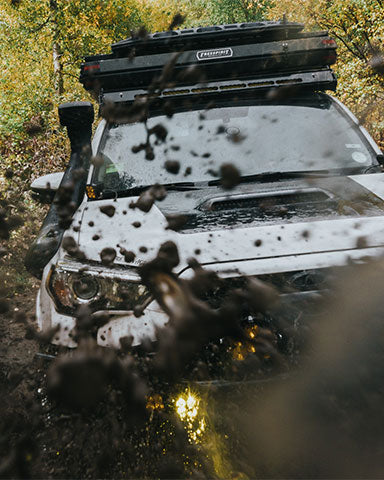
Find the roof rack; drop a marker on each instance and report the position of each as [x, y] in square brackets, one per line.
[247, 52]
[316, 80]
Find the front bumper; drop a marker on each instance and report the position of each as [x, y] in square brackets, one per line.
[125, 324]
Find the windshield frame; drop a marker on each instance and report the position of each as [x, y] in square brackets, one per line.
[311, 100]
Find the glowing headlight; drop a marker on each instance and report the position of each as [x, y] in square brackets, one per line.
[69, 290]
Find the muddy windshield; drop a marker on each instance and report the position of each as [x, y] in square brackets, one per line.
[256, 138]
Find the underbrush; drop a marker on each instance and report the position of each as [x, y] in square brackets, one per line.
[22, 219]
[39, 153]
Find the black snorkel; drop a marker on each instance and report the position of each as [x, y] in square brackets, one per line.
[77, 117]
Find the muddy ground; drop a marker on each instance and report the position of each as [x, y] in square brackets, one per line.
[321, 420]
[41, 439]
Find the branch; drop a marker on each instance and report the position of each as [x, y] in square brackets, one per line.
[332, 27]
[67, 74]
[346, 45]
[362, 54]
[37, 29]
[356, 20]
[358, 53]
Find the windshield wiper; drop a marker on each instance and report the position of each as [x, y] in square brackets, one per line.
[275, 176]
[181, 186]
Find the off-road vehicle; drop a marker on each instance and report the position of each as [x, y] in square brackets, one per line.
[304, 191]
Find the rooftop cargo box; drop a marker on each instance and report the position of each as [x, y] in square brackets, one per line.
[249, 52]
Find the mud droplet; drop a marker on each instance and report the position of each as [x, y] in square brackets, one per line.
[175, 222]
[108, 256]
[230, 176]
[108, 210]
[97, 161]
[361, 242]
[159, 131]
[129, 256]
[71, 247]
[172, 166]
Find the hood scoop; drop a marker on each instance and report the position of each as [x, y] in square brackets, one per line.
[267, 200]
[247, 210]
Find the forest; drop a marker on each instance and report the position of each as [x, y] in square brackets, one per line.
[43, 43]
[130, 413]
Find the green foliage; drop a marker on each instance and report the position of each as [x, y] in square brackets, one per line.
[235, 11]
[358, 27]
[32, 32]
[161, 13]
[207, 12]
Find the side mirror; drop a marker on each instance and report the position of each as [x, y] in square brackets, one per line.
[45, 187]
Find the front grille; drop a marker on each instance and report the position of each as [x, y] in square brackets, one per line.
[286, 283]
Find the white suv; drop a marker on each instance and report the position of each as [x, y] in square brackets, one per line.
[275, 186]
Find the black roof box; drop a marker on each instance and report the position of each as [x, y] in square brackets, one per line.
[208, 37]
[220, 53]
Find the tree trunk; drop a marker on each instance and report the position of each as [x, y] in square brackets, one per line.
[57, 69]
[56, 50]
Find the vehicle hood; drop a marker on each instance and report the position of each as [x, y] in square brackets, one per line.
[296, 219]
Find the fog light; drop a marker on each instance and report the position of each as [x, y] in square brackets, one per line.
[188, 409]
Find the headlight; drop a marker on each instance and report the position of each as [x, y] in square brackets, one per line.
[69, 290]
[85, 287]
